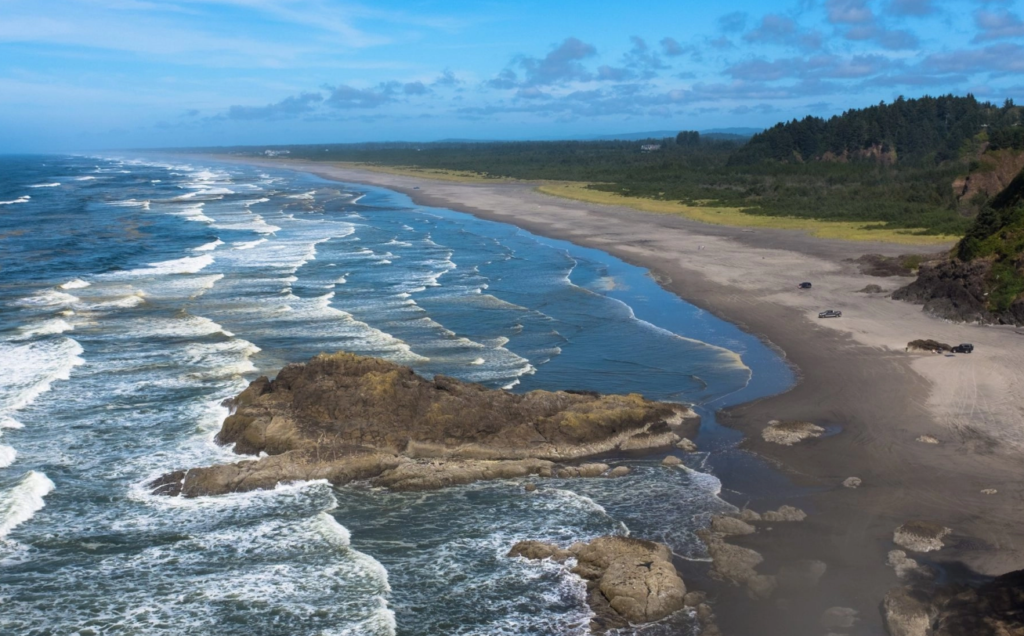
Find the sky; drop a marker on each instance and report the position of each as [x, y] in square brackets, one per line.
[99, 74]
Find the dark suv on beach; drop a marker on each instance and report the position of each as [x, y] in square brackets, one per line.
[805, 285]
[963, 348]
[831, 313]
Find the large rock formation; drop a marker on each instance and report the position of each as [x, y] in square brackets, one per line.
[343, 417]
[628, 580]
[993, 609]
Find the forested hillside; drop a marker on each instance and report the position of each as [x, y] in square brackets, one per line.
[932, 129]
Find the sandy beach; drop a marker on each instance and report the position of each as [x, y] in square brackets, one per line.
[855, 377]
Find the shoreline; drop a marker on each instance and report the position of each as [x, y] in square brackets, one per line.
[852, 374]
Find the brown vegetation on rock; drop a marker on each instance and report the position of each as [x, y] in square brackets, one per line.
[343, 417]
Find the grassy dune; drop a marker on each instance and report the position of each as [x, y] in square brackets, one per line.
[736, 217]
[458, 176]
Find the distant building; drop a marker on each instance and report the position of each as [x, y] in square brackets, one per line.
[276, 153]
[650, 147]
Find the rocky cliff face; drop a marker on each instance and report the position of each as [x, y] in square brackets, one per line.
[982, 280]
[343, 417]
[959, 290]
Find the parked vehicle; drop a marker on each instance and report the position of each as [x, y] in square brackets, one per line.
[963, 348]
[831, 313]
[805, 285]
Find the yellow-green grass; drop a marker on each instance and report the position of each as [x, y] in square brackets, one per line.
[459, 176]
[736, 217]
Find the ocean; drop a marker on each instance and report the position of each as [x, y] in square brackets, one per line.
[137, 293]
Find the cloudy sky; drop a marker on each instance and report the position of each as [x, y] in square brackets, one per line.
[80, 74]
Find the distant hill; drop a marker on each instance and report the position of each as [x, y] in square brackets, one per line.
[928, 129]
[727, 134]
[983, 278]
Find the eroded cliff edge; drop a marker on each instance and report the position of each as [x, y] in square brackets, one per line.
[343, 417]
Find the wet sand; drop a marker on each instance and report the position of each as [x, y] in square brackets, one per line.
[854, 377]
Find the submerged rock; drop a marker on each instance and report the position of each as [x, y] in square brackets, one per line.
[628, 580]
[342, 417]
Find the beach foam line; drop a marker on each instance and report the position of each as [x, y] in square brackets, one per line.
[23, 501]
[23, 199]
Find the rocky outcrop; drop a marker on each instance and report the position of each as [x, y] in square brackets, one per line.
[958, 290]
[995, 608]
[920, 536]
[343, 417]
[788, 433]
[629, 581]
[982, 279]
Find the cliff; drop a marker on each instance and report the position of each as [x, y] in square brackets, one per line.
[982, 280]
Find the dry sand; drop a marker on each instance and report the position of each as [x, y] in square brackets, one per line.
[853, 373]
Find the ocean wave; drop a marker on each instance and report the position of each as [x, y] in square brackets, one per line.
[192, 213]
[23, 501]
[86, 178]
[48, 298]
[248, 245]
[32, 369]
[45, 185]
[7, 456]
[186, 265]
[76, 283]
[24, 199]
[130, 203]
[48, 327]
[208, 247]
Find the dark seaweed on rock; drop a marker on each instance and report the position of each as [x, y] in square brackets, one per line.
[342, 417]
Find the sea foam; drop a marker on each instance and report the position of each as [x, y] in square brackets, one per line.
[19, 504]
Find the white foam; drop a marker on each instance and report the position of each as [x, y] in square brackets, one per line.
[187, 265]
[23, 199]
[48, 327]
[208, 247]
[192, 212]
[10, 422]
[32, 368]
[88, 178]
[7, 456]
[48, 298]
[76, 283]
[248, 245]
[19, 504]
[130, 203]
[45, 185]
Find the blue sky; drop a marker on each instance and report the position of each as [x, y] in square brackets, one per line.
[80, 74]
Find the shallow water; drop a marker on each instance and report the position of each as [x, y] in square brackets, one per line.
[139, 293]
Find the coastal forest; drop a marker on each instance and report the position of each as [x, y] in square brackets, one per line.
[928, 165]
